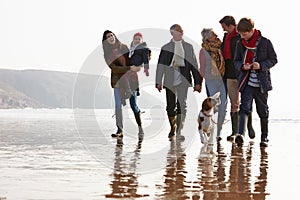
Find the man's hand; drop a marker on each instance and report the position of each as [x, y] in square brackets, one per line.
[159, 87]
[247, 66]
[146, 71]
[255, 66]
[198, 88]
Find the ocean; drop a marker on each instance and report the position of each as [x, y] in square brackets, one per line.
[68, 154]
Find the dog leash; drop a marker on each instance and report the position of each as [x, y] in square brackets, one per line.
[225, 122]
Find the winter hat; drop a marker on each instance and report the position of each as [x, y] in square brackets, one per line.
[138, 34]
[206, 33]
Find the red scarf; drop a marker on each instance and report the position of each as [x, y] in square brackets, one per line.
[227, 50]
[250, 45]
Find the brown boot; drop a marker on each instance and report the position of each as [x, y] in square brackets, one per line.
[180, 120]
[172, 121]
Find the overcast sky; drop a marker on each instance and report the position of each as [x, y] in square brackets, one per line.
[62, 34]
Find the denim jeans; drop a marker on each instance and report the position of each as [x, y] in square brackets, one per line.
[213, 86]
[132, 100]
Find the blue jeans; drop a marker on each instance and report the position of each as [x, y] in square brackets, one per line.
[132, 100]
[213, 86]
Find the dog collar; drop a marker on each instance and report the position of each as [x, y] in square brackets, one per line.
[202, 114]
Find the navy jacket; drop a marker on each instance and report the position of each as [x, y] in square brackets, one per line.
[265, 55]
[141, 55]
[165, 73]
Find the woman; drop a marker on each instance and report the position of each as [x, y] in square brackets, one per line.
[212, 68]
[116, 57]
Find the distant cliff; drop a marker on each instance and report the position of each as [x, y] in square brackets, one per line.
[52, 89]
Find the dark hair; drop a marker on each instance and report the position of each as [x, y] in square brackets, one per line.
[106, 46]
[105, 33]
[245, 25]
[228, 20]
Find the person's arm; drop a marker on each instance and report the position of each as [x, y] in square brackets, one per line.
[146, 56]
[159, 71]
[271, 57]
[202, 62]
[238, 57]
[118, 69]
[195, 71]
[121, 66]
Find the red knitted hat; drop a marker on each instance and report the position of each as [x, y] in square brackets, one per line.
[138, 34]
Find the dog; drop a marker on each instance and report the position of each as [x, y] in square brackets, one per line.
[206, 123]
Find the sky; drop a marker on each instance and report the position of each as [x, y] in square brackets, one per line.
[61, 35]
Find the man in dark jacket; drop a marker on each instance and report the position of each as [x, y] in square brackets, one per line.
[176, 63]
[254, 57]
[230, 39]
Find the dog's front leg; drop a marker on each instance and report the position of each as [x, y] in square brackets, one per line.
[212, 135]
[202, 137]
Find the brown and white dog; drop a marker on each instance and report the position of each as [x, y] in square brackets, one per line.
[206, 124]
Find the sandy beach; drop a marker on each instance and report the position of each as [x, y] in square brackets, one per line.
[56, 154]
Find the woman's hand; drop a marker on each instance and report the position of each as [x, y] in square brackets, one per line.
[135, 68]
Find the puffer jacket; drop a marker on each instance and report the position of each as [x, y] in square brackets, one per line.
[141, 55]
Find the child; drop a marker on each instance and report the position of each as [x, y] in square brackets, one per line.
[139, 54]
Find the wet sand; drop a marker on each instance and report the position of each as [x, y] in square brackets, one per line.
[57, 157]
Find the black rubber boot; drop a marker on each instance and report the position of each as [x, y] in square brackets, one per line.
[264, 124]
[234, 125]
[119, 123]
[139, 122]
[251, 131]
[239, 139]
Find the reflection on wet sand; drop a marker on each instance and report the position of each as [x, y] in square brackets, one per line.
[175, 173]
[212, 174]
[224, 176]
[124, 183]
[239, 173]
[261, 182]
[207, 179]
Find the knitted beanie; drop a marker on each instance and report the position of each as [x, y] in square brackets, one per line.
[138, 34]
